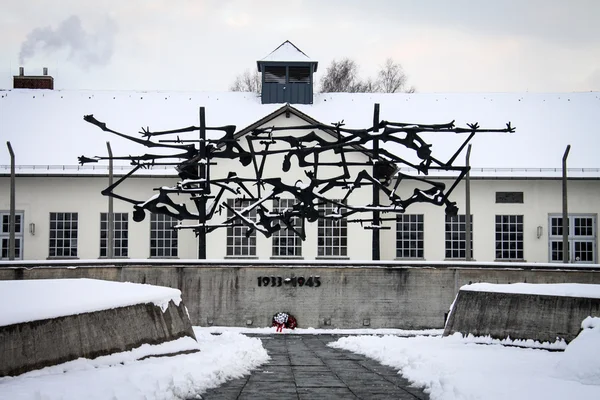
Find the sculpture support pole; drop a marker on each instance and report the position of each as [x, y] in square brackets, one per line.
[12, 216]
[110, 244]
[201, 200]
[376, 221]
[468, 208]
[565, 209]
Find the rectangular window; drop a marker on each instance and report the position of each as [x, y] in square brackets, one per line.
[409, 236]
[120, 235]
[239, 243]
[581, 238]
[274, 75]
[5, 235]
[286, 243]
[332, 238]
[299, 75]
[456, 237]
[509, 197]
[63, 234]
[163, 238]
[509, 237]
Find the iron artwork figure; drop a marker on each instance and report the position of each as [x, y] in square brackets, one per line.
[311, 197]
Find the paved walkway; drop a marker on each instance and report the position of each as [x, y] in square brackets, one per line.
[304, 367]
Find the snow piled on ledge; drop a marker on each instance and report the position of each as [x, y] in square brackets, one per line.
[33, 300]
[546, 289]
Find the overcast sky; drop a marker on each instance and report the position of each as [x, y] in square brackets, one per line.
[444, 46]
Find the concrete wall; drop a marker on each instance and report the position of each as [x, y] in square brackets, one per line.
[37, 344]
[350, 295]
[520, 316]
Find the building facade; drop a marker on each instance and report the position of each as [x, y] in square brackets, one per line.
[516, 194]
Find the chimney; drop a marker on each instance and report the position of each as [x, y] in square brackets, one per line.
[23, 81]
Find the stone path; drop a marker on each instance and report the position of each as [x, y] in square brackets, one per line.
[304, 367]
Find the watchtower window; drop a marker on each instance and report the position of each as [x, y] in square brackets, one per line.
[274, 74]
[299, 75]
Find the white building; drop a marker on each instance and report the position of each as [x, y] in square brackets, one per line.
[516, 186]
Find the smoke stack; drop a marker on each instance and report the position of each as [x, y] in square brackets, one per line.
[23, 81]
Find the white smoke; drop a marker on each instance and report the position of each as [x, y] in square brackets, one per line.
[85, 49]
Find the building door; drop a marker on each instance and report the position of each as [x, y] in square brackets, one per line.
[5, 235]
[582, 238]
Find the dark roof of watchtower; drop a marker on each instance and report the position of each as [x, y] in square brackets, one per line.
[287, 52]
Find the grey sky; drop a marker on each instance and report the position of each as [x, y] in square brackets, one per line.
[444, 46]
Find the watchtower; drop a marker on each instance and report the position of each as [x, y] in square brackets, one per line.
[287, 75]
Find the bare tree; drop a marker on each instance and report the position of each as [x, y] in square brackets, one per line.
[391, 78]
[341, 76]
[247, 82]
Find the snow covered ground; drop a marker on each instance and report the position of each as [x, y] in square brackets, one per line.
[449, 368]
[120, 377]
[454, 367]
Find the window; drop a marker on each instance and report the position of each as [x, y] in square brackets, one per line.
[582, 238]
[286, 243]
[409, 236]
[509, 197]
[63, 234]
[239, 244]
[5, 235]
[120, 235]
[332, 238]
[299, 75]
[274, 74]
[456, 237]
[509, 237]
[163, 238]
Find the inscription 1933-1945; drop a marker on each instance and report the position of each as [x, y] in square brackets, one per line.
[311, 281]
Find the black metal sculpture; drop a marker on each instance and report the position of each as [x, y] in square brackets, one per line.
[379, 171]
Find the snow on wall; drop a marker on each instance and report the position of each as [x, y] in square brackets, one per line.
[549, 289]
[33, 300]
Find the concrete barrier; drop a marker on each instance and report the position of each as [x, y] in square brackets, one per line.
[348, 295]
[37, 344]
[519, 316]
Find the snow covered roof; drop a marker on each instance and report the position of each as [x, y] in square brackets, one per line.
[47, 127]
[287, 51]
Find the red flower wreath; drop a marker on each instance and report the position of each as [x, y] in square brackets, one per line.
[283, 319]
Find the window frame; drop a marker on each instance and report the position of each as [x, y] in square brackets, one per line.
[167, 236]
[326, 232]
[5, 234]
[120, 235]
[60, 225]
[555, 237]
[236, 239]
[286, 235]
[456, 237]
[415, 224]
[507, 244]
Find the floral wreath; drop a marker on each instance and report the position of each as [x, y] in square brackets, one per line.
[284, 320]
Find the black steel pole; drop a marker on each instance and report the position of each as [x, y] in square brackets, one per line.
[376, 220]
[12, 217]
[110, 244]
[565, 209]
[201, 200]
[468, 208]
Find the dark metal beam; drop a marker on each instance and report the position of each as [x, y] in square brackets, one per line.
[565, 208]
[12, 216]
[468, 207]
[110, 244]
